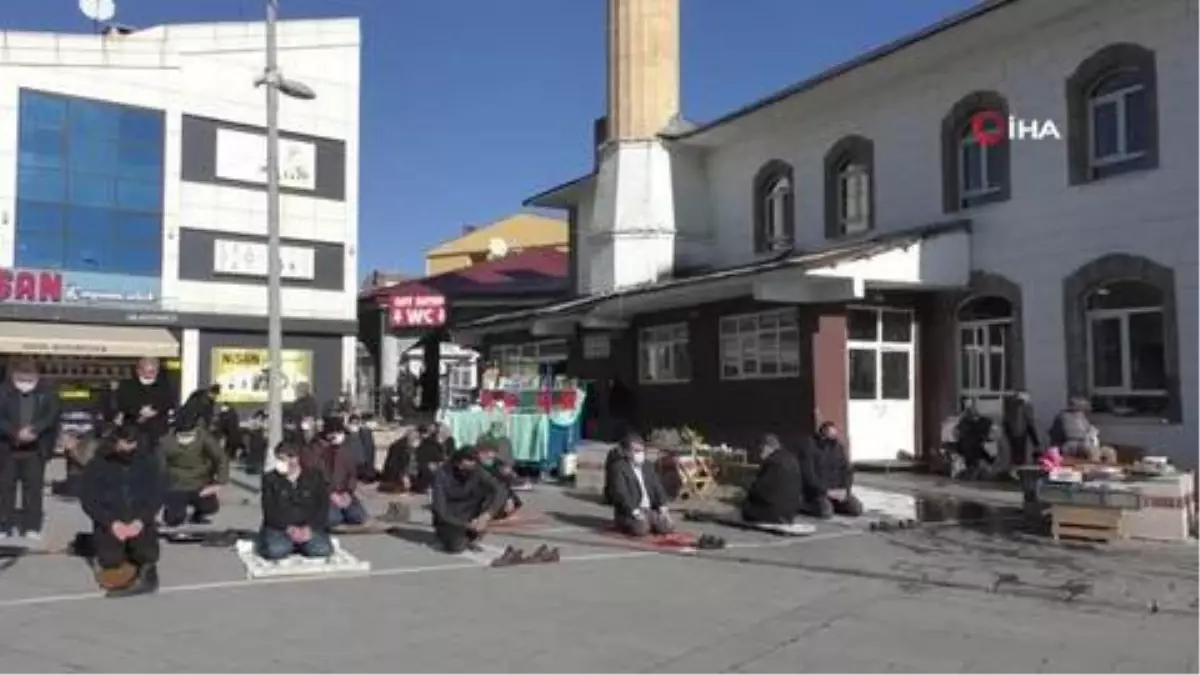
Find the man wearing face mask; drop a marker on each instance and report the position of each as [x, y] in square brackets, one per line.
[828, 476]
[330, 455]
[295, 504]
[122, 491]
[638, 498]
[29, 415]
[504, 475]
[362, 442]
[146, 399]
[465, 500]
[196, 470]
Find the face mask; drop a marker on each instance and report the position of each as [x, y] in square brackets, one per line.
[306, 426]
[147, 381]
[337, 439]
[353, 428]
[639, 457]
[186, 438]
[25, 386]
[283, 466]
[487, 461]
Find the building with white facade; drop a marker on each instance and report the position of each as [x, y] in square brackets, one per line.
[846, 250]
[133, 203]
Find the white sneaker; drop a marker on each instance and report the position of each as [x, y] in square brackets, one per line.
[34, 535]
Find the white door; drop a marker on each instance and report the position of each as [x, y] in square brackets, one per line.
[881, 415]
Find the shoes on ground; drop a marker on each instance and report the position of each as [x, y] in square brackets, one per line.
[708, 542]
[509, 557]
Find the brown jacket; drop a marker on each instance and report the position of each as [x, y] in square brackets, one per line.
[337, 463]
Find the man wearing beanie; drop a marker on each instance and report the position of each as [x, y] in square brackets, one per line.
[465, 499]
[331, 455]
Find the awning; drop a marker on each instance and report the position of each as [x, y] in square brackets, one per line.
[23, 337]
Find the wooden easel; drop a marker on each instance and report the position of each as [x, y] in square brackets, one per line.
[699, 480]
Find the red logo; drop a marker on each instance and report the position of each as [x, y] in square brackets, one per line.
[417, 310]
[30, 286]
[989, 127]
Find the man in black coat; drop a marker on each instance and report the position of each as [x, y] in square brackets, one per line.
[465, 500]
[295, 505]
[638, 499]
[828, 476]
[147, 400]
[29, 414]
[122, 491]
[201, 405]
[1020, 428]
[775, 495]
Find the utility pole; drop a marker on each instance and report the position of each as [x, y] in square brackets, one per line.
[272, 79]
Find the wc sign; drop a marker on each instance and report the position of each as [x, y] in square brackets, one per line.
[417, 311]
[992, 127]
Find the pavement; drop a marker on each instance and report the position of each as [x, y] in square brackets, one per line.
[968, 597]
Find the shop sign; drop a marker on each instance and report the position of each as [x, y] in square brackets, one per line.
[251, 259]
[91, 289]
[417, 311]
[243, 373]
[242, 156]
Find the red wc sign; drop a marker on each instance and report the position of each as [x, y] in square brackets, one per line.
[417, 311]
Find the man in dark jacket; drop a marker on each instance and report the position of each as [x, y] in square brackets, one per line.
[465, 500]
[398, 465]
[122, 490]
[362, 441]
[305, 404]
[775, 495]
[227, 427]
[256, 443]
[1020, 429]
[638, 499]
[827, 476]
[29, 415]
[202, 404]
[295, 504]
[196, 470]
[330, 455]
[504, 474]
[147, 400]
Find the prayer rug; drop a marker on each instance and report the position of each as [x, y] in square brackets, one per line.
[517, 520]
[675, 541]
[884, 505]
[341, 562]
[781, 529]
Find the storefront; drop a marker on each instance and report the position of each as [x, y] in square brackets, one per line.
[237, 360]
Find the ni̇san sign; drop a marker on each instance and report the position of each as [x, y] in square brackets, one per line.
[51, 287]
[992, 127]
[417, 311]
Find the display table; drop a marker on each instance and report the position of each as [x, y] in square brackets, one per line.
[537, 438]
[1167, 507]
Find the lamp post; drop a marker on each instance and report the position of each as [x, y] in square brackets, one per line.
[275, 84]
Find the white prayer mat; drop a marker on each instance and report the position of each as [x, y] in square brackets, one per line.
[887, 505]
[787, 530]
[341, 562]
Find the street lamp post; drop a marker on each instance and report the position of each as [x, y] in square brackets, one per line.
[275, 84]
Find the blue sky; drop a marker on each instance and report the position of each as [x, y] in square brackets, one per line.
[469, 106]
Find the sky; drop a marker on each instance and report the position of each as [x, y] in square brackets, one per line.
[470, 106]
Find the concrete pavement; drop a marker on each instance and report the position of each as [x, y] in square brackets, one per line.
[937, 599]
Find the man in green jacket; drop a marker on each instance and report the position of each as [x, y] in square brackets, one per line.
[196, 469]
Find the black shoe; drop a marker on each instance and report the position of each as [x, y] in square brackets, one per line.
[510, 557]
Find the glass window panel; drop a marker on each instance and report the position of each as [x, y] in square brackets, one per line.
[1125, 295]
[97, 156]
[787, 319]
[140, 125]
[135, 258]
[730, 370]
[747, 324]
[862, 366]
[986, 307]
[993, 159]
[750, 365]
[996, 381]
[39, 217]
[139, 161]
[997, 335]
[43, 185]
[1147, 355]
[769, 366]
[768, 321]
[768, 344]
[895, 381]
[967, 336]
[42, 110]
[862, 325]
[1106, 353]
[41, 147]
[39, 250]
[135, 227]
[1117, 81]
[92, 119]
[897, 327]
[972, 174]
[682, 362]
[1137, 121]
[789, 350]
[965, 379]
[729, 348]
[137, 195]
[680, 333]
[1104, 130]
[728, 325]
[90, 189]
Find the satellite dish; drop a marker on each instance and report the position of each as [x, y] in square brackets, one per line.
[98, 10]
[497, 248]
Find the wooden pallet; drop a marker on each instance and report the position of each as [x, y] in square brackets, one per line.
[1091, 524]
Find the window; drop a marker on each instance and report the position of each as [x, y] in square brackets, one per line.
[879, 354]
[985, 326]
[461, 375]
[1112, 113]
[774, 208]
[974, 174]
[760, 346]
[663, 354]
[528, 360]
[849, 194]
[89, 186]
[1126, 348]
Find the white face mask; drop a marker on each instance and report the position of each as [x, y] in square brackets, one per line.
[283, 466]
[147, 381]
[353, 428]
[337, 439]
[306, 426]
[186, 438]
[25, 386]
[639, 457]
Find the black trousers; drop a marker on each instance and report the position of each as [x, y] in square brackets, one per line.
[27, 469]
[141, 550]
[177, 503]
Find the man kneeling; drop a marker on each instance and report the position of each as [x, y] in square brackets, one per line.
[774, 497]
[505, 475]
[828, 476]
[122, 490]
[638, 499]
[196, 470]
[295, 503]
[465, 499]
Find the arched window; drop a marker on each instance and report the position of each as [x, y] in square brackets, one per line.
[849, 193]
[1113, 113]
[974, 174]
[1127, 364]
[774, 208]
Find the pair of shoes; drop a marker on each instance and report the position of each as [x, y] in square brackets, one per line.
[708, 542]
[145, 582]
[511, 556]
[545, 554]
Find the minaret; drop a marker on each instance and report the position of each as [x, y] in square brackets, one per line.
[632, 234]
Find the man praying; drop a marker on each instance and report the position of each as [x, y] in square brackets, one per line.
[827, 476]
[638, 499]
[465, 500]
[331, 455]
[505, 476]
[29, 416]
[295, 506]
[774, 497]
[147, 399]
[196, 469]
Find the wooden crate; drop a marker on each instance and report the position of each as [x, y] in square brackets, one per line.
[1092, 524]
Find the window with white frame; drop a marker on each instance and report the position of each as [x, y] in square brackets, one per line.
[985, 326]
[978, 173]
[1118, 119]
[663, 354]
[1127, 370]
[527, 359]
[461, 375]
[775, 213]
[854, 204]
[760, 346]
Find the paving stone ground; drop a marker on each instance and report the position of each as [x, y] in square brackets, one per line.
[935, 599]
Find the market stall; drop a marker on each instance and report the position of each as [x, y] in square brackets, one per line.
[541, 424]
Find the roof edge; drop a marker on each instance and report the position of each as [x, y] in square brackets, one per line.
[550, 198]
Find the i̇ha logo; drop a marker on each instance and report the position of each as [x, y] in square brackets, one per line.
[991, 127]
